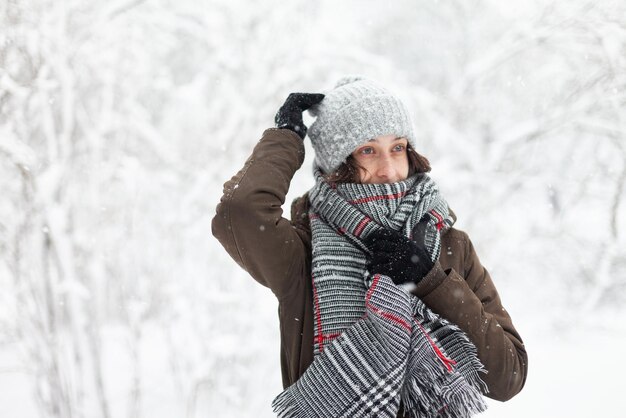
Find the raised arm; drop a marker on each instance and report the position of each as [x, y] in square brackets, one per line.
[249, 222]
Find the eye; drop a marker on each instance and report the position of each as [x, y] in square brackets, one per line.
[366, 150]
[399, 147]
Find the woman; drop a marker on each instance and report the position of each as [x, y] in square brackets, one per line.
[372, 279]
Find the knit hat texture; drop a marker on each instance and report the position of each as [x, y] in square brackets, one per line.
[353, 112]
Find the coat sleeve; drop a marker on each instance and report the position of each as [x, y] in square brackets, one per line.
[469, 299]
[248, 220]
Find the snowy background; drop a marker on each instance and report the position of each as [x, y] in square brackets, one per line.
[121, 120]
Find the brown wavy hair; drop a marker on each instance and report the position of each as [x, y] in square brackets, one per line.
[348, 171]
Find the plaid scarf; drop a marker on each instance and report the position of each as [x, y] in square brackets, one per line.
[377, 345]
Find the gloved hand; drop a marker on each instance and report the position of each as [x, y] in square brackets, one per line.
[398, 257]
[289, 116]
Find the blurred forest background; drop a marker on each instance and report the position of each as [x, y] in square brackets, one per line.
[121, 120]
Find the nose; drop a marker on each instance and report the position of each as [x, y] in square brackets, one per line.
[385, 170]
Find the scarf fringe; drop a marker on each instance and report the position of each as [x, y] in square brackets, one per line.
[455, 343]
[285, 406]
[461, 397]
[421, 398]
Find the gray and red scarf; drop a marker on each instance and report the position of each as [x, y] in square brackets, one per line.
[376, 345]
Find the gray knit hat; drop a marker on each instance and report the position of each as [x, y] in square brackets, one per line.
[354, 111]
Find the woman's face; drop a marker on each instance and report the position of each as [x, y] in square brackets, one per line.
[382, 159]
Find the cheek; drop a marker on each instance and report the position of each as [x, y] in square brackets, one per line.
[403, 165]
[365, 167]
[368, 163]
[365, 170]
[363, 161]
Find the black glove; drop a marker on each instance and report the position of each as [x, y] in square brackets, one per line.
[289, 115]
[398, 257]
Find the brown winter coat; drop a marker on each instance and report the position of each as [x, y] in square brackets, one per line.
[277, 253]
